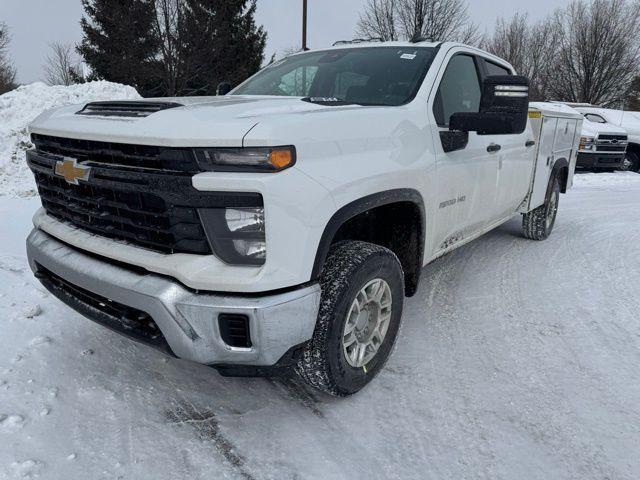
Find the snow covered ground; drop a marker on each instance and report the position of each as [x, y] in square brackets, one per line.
[516, 359]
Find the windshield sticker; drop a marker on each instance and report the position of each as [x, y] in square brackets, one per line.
[408, 56]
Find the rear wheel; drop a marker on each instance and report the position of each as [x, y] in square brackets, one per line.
[360, 310]
[538, 223]
[631, 162]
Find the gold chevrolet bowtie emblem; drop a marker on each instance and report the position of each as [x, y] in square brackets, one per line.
[71, 171]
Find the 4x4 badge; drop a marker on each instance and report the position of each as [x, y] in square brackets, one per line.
[69, 169]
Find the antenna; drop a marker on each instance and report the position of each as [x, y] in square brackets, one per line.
[304, 26]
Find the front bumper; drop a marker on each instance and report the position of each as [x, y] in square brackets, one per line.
[187, 320]
[599, 160]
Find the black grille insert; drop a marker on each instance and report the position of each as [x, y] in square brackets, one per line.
[611, 148]
[608, 136]
[128, 321]
[137, 216]
[163, 160]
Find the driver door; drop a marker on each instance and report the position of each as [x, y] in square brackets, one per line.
[466, 178]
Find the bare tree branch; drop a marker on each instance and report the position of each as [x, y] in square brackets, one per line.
[62, 67]
[406, 19]
[379, 20]
[7, 71]
[167, 30]
[530, 47]
[599, 51]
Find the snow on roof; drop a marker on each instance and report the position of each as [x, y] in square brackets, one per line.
[554, 109]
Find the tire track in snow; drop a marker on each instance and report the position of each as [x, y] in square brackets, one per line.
[207, 427]
[293, 390]
[440, 292]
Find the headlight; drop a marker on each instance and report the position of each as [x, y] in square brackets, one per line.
[236, 234]
[245, 219]
[271, 159]
[586, 143]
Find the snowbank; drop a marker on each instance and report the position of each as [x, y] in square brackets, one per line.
[19, 107]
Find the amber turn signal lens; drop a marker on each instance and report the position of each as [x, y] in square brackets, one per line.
[280, 158]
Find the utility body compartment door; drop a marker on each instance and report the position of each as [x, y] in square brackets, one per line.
[556, 129]
[545, 128]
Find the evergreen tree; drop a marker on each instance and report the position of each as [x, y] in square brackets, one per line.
[220, 42]
[118, 42]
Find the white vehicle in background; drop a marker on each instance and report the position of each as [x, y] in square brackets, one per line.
[603, 143]
[620, 119]
[281, 226]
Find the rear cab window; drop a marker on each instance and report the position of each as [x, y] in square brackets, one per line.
[495, 69]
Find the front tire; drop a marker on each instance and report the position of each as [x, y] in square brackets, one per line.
[538, 223]
[631, 162]
[358, 320]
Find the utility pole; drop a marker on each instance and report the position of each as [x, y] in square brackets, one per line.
[304, 25]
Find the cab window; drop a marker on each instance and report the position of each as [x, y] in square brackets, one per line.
[459, 89]
[495, 69]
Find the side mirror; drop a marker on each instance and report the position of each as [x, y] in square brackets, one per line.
[504, 108]
[223, 88]
[453, 140]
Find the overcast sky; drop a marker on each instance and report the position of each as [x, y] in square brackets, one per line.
[36, 23]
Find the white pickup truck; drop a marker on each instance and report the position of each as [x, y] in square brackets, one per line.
[603, 144]
[623, 123]
[280, 227]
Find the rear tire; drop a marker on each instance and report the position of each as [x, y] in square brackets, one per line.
[358, 320]
[538, 223]
[631, 162]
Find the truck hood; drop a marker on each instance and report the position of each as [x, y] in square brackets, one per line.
[593, 129]
[194, 122]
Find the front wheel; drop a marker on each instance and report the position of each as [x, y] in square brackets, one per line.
[631, 162]
[360, 310]
[538, 223]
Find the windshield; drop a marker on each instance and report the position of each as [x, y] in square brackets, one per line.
[592, 117]
[365, 76]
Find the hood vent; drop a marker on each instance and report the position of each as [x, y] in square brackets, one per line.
[125, 109]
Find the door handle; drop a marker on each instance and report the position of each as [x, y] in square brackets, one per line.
[529, 143]
[494, 147]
